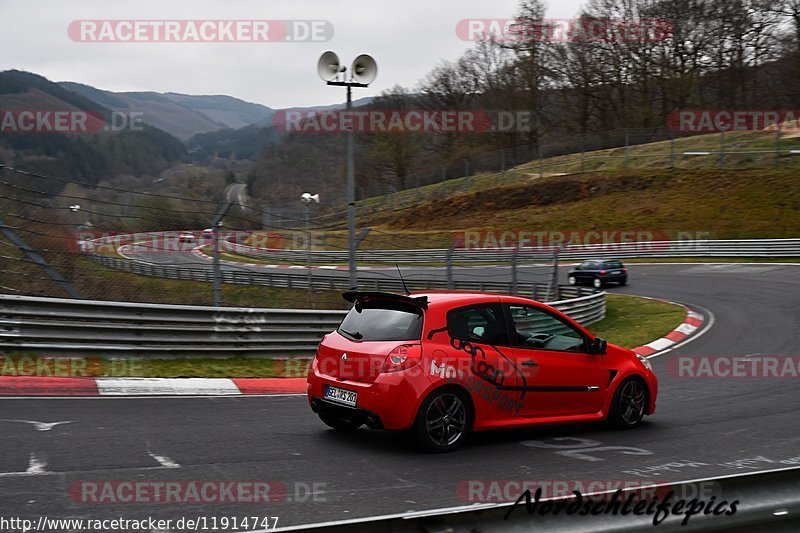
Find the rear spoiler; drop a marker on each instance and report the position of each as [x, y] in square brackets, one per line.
[353, 296]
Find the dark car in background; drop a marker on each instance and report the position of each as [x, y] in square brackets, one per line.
[598, 272]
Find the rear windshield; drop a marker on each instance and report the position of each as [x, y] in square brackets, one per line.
[382, 321]
[613, 264]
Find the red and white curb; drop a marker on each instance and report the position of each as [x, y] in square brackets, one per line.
[691, 324]
[88, 386]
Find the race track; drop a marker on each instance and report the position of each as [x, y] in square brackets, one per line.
[705, 427]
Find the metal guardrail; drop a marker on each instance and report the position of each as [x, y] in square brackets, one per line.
[765, 501]
[623, 250]
[126, 328]
[56, 325]
[289, 279]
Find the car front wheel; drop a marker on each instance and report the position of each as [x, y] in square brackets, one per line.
[443, 421]
[572, 280]
[628, 405]
[598, 283]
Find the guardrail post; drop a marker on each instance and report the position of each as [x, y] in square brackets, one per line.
[554, 277]
[721, 149]
[777, 145]
[514, 271]
[449, 269]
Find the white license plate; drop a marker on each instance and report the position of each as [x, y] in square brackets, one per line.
[617, 272]
[338, 395]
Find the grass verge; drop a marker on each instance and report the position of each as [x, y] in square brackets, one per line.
[632, 321]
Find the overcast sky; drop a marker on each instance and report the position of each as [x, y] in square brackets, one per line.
[406, 37]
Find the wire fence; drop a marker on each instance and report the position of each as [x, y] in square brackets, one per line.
[618, 151]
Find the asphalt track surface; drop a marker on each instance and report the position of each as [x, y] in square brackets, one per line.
[702, 427]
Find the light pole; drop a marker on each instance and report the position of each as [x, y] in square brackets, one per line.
[363, 72]
[307, 198]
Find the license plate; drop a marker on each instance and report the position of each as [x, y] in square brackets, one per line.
[616, 272]
[347, 397]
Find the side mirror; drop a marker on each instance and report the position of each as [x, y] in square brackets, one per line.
[598, 346]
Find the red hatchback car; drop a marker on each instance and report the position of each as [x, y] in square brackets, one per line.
[445, 364]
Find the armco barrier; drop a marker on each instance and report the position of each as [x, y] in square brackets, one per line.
[295, 279]
[623, 250]
[53, 325]
[765, 501]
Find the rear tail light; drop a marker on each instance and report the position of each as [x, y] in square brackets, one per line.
[624, 270]
[602, 272]
[403, 357]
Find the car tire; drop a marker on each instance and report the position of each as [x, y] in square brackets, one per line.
[572, 280]
[623, 282]
[629, 403]
[598, 283]
[443, 421]
[339, 423]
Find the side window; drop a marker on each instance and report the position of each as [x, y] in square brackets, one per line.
[535, 328]
[482, 323]
[586, 265]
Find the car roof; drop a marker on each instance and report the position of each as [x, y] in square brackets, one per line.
[448, 298]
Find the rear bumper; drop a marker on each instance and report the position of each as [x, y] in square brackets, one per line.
[390, 402]
[321, 405]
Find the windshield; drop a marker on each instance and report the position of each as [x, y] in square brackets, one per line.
[382, 321]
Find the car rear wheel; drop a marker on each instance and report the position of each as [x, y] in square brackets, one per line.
[342, 424]
[628, 405]
[598, 283]
[572, 280]
[443, 421]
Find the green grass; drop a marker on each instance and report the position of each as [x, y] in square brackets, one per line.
[97, 282]
[631, 321]
[742, 150]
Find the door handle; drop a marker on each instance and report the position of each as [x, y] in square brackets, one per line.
[530, 363]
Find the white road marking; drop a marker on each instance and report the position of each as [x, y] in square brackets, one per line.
[36, 467]
[39, 426]
[164, 461]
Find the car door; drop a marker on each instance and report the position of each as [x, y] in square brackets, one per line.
[474, 350]
[561, 377]
[585, 271]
